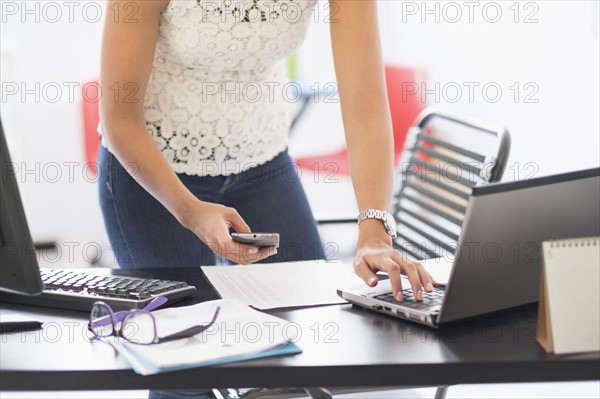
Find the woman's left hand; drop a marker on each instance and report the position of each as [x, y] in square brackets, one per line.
[377, 254]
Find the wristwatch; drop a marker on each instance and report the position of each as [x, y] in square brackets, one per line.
[388, 220]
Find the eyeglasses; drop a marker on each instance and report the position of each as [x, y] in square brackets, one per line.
[137, 326]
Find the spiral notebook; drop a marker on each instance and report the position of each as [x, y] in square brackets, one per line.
[569, 309]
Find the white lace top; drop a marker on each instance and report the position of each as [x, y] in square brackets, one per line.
[219, 100]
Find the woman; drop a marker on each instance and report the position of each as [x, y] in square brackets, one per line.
[194, 124]
[193, 105]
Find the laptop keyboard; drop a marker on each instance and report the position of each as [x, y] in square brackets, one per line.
[432, 301]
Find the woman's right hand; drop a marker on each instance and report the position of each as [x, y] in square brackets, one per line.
[211, 223]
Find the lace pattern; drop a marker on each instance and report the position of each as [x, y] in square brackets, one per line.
[218, 99]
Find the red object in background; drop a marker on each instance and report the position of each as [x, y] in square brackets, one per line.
[91, 117]
[404, 97]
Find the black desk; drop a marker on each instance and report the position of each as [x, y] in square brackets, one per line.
[343, 346]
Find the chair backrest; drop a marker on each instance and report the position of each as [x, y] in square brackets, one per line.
[444, 158]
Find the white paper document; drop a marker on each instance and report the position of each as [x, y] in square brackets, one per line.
[281, 285]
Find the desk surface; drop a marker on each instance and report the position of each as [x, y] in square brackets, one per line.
[342, 346]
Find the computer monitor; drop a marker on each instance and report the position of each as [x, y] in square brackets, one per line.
[19, 270]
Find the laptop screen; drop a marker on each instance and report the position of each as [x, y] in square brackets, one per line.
[499, 252]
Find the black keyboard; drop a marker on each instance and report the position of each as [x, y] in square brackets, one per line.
[432, 301]
[73, 289]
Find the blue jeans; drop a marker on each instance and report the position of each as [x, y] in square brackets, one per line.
[143, 234]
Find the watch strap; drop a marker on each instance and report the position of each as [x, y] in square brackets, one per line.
[372, 214]
[383, 216]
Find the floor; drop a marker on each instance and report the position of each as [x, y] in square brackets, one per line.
[579, 390]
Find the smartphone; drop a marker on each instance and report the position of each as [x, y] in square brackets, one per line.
[257, 239]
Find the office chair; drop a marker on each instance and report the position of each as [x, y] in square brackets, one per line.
[405, 106]
[445, 157]
[91, 117]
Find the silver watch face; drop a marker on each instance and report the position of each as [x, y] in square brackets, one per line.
[390, 223]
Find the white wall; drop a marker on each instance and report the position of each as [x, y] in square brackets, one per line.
[557, 55]
[48, 47]
[543, 55]
[555, 60]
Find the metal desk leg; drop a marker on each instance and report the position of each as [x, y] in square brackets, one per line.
[440, 393]
[318, 393]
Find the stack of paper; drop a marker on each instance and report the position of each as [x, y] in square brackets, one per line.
[239, 333]
[282, 285]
